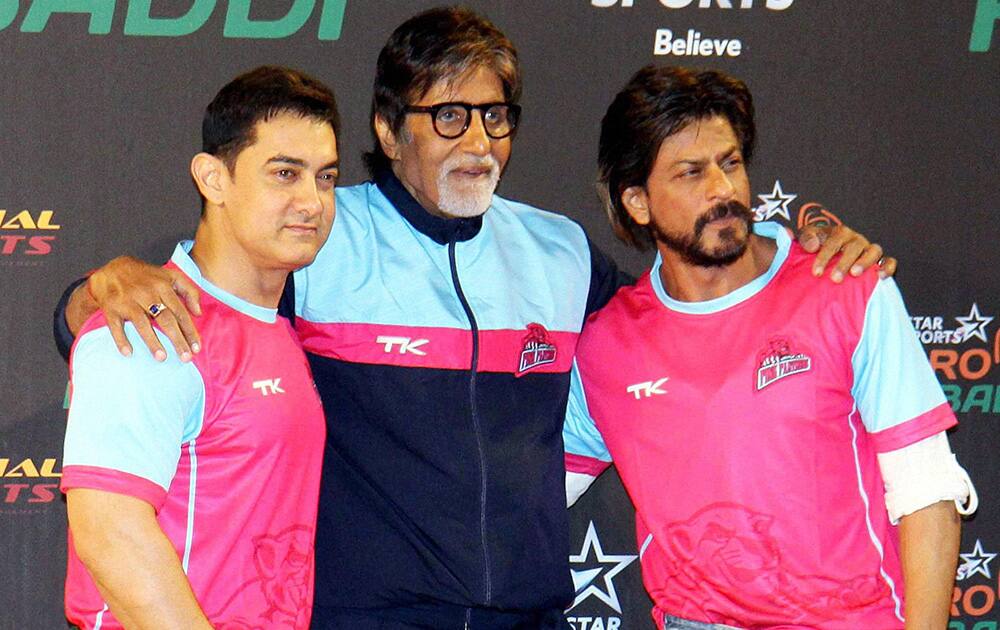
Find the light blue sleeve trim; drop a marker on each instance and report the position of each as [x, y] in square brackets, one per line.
[182, 258]
[580, 434]
[766, 229]
[131, 414]
[893, 382]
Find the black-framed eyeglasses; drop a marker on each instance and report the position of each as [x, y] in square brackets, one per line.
[451, 120]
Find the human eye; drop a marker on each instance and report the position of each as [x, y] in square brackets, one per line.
[327, 180]
[286, 174]
[733, 162]
[450, 114]
[496, 114]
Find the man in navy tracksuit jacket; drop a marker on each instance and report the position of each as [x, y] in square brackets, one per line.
[442, 350]
[440, 322]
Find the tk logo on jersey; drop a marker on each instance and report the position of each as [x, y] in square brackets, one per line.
[778, 360]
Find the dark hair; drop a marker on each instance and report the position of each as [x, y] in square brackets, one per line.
[441, 44]
[655, 104]
[259, 95]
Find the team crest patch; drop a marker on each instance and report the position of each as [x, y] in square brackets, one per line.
[537, 349]
[779, 360]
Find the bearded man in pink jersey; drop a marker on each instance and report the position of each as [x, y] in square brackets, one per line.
[171, 467]
[783, 442]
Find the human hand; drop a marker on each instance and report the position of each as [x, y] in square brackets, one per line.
[126, 288]
[856, 252]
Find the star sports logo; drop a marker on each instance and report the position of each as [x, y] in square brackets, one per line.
[974, 599]
[777, 204]
[964, 357]
[977, 562]
[931, 328]
[594, 572]
[774, 204]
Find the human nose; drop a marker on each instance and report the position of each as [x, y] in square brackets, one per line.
[720, 187]
[309, 198]
[475, 140]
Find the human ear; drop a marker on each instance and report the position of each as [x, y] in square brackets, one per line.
[209, 174]
[636, 202]
[389, 140]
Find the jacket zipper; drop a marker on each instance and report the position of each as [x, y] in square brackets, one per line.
[475, 416]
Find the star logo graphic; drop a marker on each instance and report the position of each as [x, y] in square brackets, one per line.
[976, 562]
[774, 204]
[585, 580]
[974, 324]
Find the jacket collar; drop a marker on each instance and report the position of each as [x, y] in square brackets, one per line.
[438, 229]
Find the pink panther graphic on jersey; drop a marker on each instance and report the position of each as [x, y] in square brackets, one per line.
[726, 547]
[283, 572]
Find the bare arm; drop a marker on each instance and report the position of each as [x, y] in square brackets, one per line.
[133, 564]
[856, 252]
[124, 289]
[929, 541]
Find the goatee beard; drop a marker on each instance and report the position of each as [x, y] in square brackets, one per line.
[731, 246]
[473, 200]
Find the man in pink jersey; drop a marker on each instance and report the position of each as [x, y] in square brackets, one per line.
[192, 486]
[783, 442]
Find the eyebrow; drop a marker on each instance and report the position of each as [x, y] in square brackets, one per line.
[284, 159]
[729, 151]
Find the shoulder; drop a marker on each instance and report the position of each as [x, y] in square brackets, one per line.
[116, 396]
[534, 218]
[555, 240]
[359, 201]
[95, 362]
[629, 303]
[797, 271]
[353, 194]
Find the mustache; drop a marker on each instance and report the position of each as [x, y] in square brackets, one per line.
[732, 208]
[463, 162]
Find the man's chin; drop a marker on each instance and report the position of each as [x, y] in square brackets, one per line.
[465, 207]
[296, 256]
[720, 254]
[462, 196]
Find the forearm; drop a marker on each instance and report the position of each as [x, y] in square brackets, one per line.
[133, 564]
[929, 541]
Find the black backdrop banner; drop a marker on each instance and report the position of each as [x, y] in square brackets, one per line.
[881, 114]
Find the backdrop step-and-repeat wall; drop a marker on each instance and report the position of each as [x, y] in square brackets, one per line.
[881, 114]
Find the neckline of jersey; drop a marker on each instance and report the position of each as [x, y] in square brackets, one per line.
[766, 229]
[182, 258]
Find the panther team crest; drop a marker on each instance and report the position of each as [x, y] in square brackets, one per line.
[777, 361]
[537, 349]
